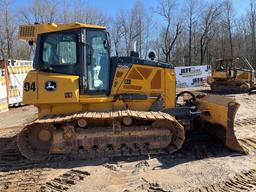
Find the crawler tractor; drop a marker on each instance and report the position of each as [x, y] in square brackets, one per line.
[232, 75]
[93, 104]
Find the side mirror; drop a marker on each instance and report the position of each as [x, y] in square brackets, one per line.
[152, 55]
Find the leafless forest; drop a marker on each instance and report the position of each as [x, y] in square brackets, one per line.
[193, 32]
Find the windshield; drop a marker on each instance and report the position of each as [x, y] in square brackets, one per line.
[97, 60]
[59, 49]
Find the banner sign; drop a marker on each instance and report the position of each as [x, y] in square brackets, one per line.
[3, 94]
[192, 76]
[17, 70]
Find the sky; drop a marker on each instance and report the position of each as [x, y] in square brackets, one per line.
[241, 6]
[111, 7]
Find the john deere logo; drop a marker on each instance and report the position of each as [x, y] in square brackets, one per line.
[50, 86]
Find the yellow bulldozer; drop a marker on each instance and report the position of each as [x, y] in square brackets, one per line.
[232, 75]
[93, 104]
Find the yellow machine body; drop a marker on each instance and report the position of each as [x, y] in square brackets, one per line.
[148, 80]
[242, 77]
[232, 75]
[137, 114]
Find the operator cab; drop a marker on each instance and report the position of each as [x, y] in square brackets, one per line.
[83, 52]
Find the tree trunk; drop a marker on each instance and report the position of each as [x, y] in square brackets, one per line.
[231, 43]
[190, 42]
[201, 51]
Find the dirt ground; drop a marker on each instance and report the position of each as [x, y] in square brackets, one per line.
[198, 166]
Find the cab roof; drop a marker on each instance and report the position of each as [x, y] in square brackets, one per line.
[30, 32]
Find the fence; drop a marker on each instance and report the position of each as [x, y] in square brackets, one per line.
[3, 94]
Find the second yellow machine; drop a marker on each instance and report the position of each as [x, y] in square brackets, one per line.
[232, 75]
[93, 104]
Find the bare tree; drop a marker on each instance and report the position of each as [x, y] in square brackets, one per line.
[192, 13]
[117, 34]
[165, 10]
[2, 43]
[134, 28]
[228, 18]
[41, 11]
[8, 29]
[138, 14]
[252, 25]
[208, 28]
[127, 30]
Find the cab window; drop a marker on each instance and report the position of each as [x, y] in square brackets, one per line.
[59, 49]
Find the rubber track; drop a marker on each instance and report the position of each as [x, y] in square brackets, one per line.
[245, 181]
[176, 127]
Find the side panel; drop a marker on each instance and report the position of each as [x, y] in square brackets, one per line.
[219, 75]
[170, 88]
[241, 75]
[244, 76]
[120, 75]
[143, 79]
[30, 95]
[149, 80]
[50, 88]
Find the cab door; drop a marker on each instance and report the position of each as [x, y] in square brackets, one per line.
[97, 65]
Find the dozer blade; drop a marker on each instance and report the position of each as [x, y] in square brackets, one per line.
[218, 116]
